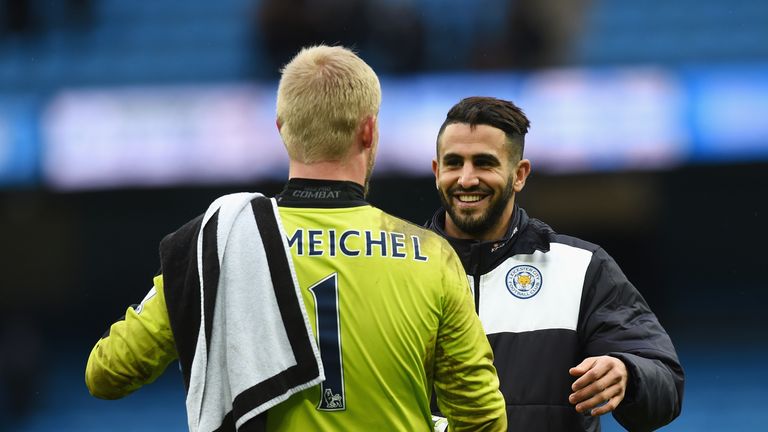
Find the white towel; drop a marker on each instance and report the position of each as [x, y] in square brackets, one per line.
[257, 349]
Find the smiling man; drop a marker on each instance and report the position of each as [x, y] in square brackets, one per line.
[477, 187]
[572, 337]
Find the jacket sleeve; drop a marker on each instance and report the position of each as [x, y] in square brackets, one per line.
[615, 320]
[135, 350]
[466, 382]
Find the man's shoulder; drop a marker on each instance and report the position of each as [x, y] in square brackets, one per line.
[183, 235]
[429, 241]
[538, 228]
[575, 242]
[189, 231]
[412, 228]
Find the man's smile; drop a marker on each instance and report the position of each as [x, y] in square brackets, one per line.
[469, 199]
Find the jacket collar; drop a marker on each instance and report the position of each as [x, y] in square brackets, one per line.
[301, 192]
[519, 219]
[524, 236]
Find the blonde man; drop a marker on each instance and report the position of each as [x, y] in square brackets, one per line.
[387, 305]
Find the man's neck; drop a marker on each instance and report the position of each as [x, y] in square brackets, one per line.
[327, 170]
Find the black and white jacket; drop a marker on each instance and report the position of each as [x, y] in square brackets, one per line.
[547, 301]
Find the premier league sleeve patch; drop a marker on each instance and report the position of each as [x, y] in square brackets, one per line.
[524, 281]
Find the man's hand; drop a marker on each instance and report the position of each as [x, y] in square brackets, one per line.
[601, 385]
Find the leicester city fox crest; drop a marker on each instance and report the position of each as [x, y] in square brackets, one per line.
[524, 281]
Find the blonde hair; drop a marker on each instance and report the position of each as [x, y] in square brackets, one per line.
[324, 94]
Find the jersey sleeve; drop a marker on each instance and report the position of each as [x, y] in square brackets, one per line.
[618, 322]
[134, 351]
[466, 383]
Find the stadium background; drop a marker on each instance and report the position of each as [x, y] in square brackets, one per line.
[120, 120]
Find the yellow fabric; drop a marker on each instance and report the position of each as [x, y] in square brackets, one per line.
[136, 351]
[391, 305]
[390, 310]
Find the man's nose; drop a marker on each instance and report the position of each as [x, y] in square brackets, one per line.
[468, 178]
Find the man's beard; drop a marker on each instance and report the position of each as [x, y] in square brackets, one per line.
[476, 225]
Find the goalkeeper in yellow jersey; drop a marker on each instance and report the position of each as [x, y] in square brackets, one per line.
[312, 310]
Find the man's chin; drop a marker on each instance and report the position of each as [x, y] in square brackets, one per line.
[469, 216]
[470, 225]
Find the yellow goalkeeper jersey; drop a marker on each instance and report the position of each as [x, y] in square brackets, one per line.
[391, 311]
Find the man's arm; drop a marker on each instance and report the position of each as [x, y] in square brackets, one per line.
[466, 383]
[616, 321]
[135, 350]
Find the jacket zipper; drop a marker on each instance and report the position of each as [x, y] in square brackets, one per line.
[477, 253]
[477, 295]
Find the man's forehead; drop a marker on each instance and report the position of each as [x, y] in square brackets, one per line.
[466, 141]
[469, 152]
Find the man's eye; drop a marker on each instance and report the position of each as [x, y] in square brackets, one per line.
[483, 162]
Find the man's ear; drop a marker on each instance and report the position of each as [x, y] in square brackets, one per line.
[522, 170]
[279, 124]
[436, 172]
[368, 131]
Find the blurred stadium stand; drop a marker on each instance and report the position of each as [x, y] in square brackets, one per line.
[118, 42]
[675, 33]
[649, 137]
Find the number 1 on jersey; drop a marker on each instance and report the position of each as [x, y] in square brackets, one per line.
[326, 294]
